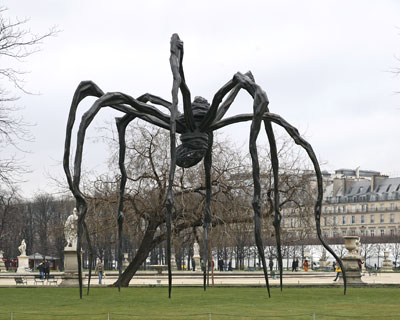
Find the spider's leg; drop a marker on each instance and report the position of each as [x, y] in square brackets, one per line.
[293, 132]
[277, 214]
[259, 107]
[207, 209]
[144, 111]
[122, 123]
[169, 201]
[176, 60]
[90, 254]
[84, 89]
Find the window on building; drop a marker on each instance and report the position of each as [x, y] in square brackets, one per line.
[372, 232]
[362, 219]
[353, 219]
[382, 232]
[372, 207]
[382, 207]
[392, 232]
[335, 209]
[353, 208]
[325, 221]
[334, 220]
[334, 234]
[343, 233]
[392, 218]
[343, 219]
[372, 218]
[382, 218]
[344, 209]
[291, 222]
[392, 207]
[362, 232]
[353, 232]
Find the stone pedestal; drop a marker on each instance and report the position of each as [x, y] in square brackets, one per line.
[350, 262]
[173, 262]
[23, 264]
[70, 277]
[387, 264]
[196, 260]
[2, 264]
[70, 260]
[125, 263]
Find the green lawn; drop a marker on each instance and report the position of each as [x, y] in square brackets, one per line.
[194, 303]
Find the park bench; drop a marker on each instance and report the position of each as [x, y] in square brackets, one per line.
[20, 280]
[51, 279]
[38, 279]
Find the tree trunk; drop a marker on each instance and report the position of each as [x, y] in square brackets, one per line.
[146, 246]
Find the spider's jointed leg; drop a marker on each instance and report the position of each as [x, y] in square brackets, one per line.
[207, 208]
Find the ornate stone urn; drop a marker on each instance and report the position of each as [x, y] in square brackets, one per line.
[351, 244]
[387, 264]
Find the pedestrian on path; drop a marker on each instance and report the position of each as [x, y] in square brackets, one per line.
[338, 270]
[99, 270]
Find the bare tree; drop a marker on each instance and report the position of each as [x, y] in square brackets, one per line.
[17, 43]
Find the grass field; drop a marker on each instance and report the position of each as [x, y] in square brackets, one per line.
[194, 303]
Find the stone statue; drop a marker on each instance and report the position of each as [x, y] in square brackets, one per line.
[196, 250]
[22, 248]
[70, 229]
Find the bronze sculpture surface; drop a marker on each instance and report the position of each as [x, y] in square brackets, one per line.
[196, 126]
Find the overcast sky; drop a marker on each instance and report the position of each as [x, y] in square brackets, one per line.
[325, 65]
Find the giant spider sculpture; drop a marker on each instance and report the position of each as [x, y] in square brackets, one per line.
[195, 126]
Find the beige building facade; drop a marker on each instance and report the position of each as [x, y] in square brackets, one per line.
[356, 202]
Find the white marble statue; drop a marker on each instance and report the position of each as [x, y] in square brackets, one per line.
[196, 250]
[71, 229]
[22, 248]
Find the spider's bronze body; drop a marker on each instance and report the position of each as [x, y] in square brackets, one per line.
[195, 126]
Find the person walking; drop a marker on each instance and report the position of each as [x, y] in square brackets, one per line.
[99, 270]
[293, 265]
[338, 270]
[271, 264]
[40, 267]
[46, 269]
[305, 265]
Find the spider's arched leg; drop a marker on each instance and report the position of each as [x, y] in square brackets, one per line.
[175, 62]
[84, 89]
[122, 123]
[207, 209]
[293, 132]
[113, 100]
[277, 214]
[259, 107]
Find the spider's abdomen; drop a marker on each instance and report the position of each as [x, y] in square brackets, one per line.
[192, 150]
[194, 144]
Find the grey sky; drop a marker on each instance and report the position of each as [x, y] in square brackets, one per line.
[325, 66]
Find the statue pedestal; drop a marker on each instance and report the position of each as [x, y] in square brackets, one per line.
[350, 262]
[2, 266]
[70, 260]
[70, 278]
[23, 264]
[173, 262]
[196, 260]
[125, 263]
